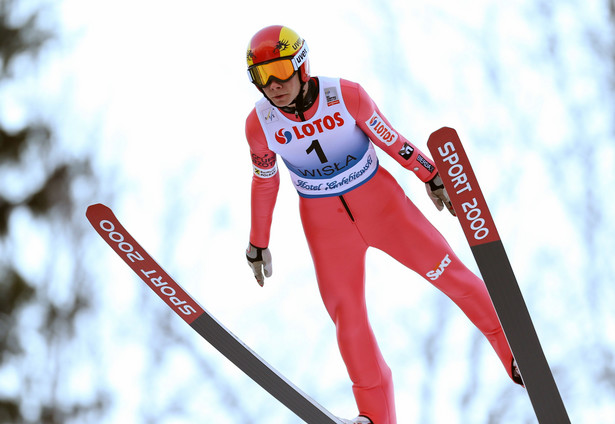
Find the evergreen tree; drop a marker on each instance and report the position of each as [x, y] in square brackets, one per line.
[37, 323]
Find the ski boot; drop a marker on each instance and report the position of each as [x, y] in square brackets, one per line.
[359, 420]
[516, 374]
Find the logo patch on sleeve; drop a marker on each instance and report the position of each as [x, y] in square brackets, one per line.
[381, 130]
[420, 159]
[406, 151]
[265, 173]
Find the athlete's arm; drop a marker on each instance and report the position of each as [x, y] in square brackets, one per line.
[265, 182]
[381, 133]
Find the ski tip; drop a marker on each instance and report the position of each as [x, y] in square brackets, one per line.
[441, 135]
[444, 131]
[95, 207]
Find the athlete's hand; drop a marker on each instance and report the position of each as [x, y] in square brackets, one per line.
[438, 195]
[259, 260]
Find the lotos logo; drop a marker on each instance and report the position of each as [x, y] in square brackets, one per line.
[434, 274]
[283, 137]
[318, 126]
[381, 130]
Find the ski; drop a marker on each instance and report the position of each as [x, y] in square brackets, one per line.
[109, 228]
[480, 231]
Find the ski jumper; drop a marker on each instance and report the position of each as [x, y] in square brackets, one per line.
[347, 204]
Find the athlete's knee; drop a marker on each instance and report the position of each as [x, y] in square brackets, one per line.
[459, 282]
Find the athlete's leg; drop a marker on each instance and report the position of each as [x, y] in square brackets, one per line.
[338, 251]
[397, 227]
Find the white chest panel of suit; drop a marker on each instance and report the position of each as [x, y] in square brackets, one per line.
[327, 155]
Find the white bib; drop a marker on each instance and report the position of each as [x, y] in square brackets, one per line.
[327, 155]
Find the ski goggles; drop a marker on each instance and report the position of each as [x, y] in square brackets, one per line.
[278, 69]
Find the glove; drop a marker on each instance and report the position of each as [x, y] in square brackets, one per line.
[259, 260]
[438, 195]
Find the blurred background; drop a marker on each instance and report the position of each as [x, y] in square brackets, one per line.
[141, 105]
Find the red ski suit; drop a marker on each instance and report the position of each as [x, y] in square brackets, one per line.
[339, 228]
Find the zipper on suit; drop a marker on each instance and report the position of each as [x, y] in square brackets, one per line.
[347, 208]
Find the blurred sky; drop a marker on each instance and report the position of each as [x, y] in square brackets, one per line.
[157, 92]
